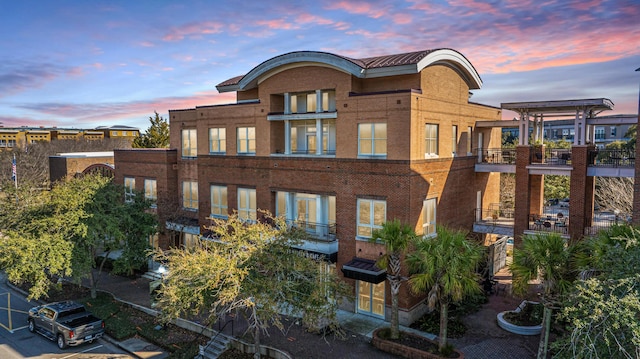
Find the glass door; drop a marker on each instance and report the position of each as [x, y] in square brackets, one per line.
[371, 298]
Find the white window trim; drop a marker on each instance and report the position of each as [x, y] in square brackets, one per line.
[246, 207]
[191, 187]
[192, 145]
[218, 140]
[223, 209]
[429, 154]
[434, 203]
[371, 216]
[247, 139]
[129, 189]
[154, 199]
[373, 141]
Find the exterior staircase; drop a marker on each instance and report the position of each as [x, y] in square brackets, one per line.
[216, 346]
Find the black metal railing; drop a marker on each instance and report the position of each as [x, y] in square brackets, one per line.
[612, 158]
[550, 156]
[494, 214]
[319, 231]
[497, 155]
[556, 222]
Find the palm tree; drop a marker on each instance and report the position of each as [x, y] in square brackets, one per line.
[445, 268]
[396, 237]
[548, 258]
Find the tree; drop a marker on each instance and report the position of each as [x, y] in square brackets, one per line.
[70, 224]
[602, 311]
[396, 237]
[252, 268]
[156, 136]
[444, 268]
[546, 257]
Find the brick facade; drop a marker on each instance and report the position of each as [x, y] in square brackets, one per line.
[404, 178]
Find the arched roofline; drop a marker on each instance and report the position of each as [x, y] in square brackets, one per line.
[251, 79]
[355, 67]
[455, 60]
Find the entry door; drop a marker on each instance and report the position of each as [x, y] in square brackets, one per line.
[371, 298]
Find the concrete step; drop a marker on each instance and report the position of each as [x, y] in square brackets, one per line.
[216, 346]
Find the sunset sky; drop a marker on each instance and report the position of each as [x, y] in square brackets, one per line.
[84, 64]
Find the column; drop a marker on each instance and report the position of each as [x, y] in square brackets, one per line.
[287, 103]
[319, 136]
[287, 137]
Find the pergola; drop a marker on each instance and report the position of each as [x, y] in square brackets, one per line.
[533, 114]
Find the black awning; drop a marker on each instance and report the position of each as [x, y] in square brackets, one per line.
[364, 269]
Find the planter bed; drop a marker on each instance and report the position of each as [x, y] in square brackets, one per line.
[410, 346]
[519, 329]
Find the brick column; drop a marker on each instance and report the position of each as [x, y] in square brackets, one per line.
[581, 192]
[522, 203]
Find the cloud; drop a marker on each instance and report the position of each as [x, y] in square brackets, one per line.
[21, 76]
[369, 9]
[193, 30]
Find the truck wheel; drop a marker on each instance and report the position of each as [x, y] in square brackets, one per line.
[61, 343]
[32, 326]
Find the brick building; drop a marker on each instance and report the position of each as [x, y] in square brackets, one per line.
[336, 145]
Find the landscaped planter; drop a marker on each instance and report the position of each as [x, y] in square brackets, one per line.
[518, 329]
[405, 351]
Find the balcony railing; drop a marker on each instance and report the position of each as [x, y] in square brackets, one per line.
[552, 222]
[550, 156]
[313, 152]
[612, 158]
[497, 155]
[320, 231]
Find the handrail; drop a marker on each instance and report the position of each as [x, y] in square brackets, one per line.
[321, 231]
[496, 155]
[204, 348]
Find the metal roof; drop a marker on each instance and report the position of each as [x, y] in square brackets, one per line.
[559, 107]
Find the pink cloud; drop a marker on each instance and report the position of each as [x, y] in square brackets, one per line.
[194, 30]
[402, 19]
[372, 10]
[277, 24]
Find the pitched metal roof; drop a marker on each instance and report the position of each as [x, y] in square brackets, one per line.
[369, 67]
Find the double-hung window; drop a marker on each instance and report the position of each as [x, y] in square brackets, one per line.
[190, 195]
[469, 137]
[429, 217]
[371, 215]
[219, 208]
[150, 191]
[189, 143]
[247, 140]
[247, 206]
[129, 189]
[431, 140]
[217, 140]
[372, 139]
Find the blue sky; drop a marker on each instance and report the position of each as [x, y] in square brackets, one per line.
[73, 63]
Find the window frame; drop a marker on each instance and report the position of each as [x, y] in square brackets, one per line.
[429, 205]
[189, 142]
[454, 140]
[154, 197]
[192, 202]
[129, 189]
[219, 141]
[247, 141]
[431, 141]
[223, 208]
[252, 213]
[371, 226]
[373, 139]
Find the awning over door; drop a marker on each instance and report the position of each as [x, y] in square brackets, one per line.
[364, 269]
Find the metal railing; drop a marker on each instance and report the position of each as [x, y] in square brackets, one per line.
[497, 155]
[319, 231]
[612, 158]
[550, 156]
[555, 222]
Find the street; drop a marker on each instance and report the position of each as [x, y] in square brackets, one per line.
[17, 342]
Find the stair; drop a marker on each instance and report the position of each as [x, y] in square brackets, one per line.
[216, 346]
[152, 275]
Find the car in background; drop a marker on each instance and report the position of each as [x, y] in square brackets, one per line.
[68, 323]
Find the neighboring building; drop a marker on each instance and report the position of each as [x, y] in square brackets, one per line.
[20, 136]
[65, 166]
[607, 129]
[337, 146]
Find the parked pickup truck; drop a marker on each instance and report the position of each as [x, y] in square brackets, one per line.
[68, 323]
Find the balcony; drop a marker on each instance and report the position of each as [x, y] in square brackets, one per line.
[318, 231]
[322, 242]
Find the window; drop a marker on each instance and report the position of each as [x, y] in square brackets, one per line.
[431, 140]
[429, 217]
[371, 215]
[305, 138]
[247, 208]
[469, 137]
[189, 143]
[371, 298]
[129, 189]
[454, 140]
[150, 191]
[190, 195]
[613, 131]
[308, 101]
[189, 240]
[599, 133]
[372, 139]
[219, 206]
[246, 140]
[314, 213]
[217, 140]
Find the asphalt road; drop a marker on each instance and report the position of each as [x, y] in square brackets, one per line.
[16, 342]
